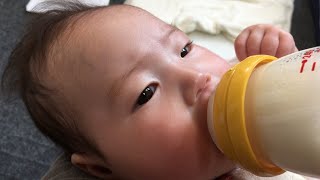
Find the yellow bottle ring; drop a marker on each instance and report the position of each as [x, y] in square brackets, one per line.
[229, 124]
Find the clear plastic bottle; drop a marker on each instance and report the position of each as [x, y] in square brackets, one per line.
[265, 114]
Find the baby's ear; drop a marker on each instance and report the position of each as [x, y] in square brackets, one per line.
[91, 164]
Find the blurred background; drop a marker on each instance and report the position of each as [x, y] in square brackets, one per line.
[24, 152]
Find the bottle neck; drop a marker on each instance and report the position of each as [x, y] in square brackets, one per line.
[229, 121]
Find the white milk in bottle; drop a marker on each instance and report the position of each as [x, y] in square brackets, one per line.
[266, 114]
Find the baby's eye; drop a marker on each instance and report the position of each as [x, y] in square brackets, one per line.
[186, 49]
[146, 94]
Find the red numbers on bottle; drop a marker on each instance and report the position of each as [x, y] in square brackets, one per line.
[305, 58]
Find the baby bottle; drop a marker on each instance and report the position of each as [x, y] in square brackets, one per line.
[265, 114]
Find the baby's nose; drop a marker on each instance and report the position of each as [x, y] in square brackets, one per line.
[195, 84]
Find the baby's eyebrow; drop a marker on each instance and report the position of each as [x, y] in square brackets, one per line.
[115, 88]
[172, 30]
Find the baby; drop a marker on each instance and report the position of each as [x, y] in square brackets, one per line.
[126, 94]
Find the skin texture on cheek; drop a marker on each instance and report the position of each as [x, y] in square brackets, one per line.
[157, 150]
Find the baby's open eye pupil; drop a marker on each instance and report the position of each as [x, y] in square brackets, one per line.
[146, 95]
[184, 51]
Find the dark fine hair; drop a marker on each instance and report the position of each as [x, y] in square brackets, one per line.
[28, 65]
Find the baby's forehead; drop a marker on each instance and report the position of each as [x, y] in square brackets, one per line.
[81, 42]
[105, 22]
[95, 33]
[77, 27]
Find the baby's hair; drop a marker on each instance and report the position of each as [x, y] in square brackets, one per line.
[28, 66]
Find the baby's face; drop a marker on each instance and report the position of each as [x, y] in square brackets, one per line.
[141, 90]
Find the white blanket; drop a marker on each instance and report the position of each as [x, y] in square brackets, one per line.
[229, 17]
[31, 6]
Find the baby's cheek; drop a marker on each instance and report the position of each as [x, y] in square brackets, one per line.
[170, 145]
[225, 67]
[220, 67]
[216, 64]
[170, 131]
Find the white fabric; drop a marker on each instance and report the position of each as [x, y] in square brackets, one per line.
[216, 16]
[215, 43]
[31, 6]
